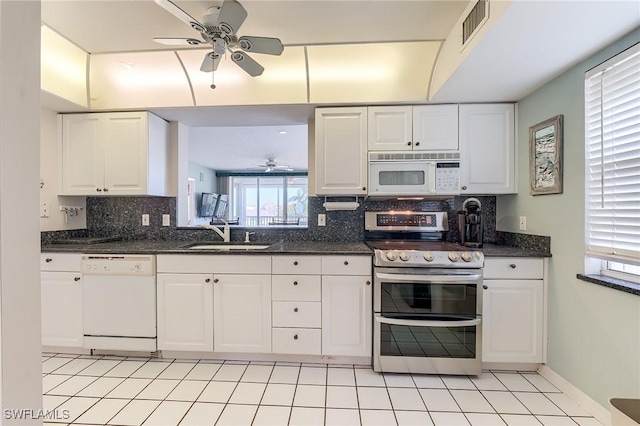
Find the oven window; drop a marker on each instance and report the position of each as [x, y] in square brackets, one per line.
[444, 342]
[401, 177]
[419, 298]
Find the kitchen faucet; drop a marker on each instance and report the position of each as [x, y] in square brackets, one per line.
[226, 234]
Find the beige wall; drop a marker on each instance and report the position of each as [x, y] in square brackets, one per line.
[593, 331]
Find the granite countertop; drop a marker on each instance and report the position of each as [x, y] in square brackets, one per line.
[280, 247]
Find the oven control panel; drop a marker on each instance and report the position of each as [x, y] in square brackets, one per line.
[420, 258]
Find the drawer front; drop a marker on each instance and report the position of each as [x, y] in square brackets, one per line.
[213, 264]
[297, 314]
[307, 341]
[60, 262]
[299, 265]
[346, 265]
[513, 268]
[306, 288]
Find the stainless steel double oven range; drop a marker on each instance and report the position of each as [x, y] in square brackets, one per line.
[427, 296]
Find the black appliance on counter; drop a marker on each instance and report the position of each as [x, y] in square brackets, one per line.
[470, 226]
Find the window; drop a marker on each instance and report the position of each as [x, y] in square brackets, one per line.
[266, 201]
[612, 172]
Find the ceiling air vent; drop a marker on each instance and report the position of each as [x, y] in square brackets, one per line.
[474, 20]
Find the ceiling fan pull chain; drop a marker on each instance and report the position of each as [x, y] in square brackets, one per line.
[213, 86]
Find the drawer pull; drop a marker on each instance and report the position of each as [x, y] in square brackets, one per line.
[295, 309]
[76, 278]
[295, 263]
[368, 282]
[215, 280]
[295, 337]
[208, 280]
[346, 263]
[512, 266]
[485, 287]
[48, 259]
[295, 283]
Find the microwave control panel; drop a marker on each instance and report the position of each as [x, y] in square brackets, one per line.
[448, 177]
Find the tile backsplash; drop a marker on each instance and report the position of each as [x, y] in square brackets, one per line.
[121, 216]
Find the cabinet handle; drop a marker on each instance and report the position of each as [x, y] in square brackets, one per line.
[105, 189]
[364, 188]
[48, 259]
[417, 143]
[464, 188]
[346, 263]
[295, 263]
[368, 282]
[99, 189]
[295, 283]
[295, 337]
[208, 280]
[76, 278]
[409, 143]
[512, 266]
[215, 280]
[295, 309]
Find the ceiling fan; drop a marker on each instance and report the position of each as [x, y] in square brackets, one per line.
[219, 28]
[272, 166]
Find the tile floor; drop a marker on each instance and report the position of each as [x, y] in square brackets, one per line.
[95, 390]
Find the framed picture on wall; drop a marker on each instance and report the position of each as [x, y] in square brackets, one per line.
[545, 156]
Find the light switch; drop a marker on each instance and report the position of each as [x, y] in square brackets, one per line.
[145, 220]
[322, 219]
[523, 223]
[166, 220]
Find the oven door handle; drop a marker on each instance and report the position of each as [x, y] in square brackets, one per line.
[427, 323]
[427, 278]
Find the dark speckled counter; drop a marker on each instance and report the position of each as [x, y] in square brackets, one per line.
[281, 247]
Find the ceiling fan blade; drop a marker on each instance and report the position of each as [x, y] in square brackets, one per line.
[231, 16]
[173, 9]
[178, 41]
[267, 45]
[247, 63]
[210, 62]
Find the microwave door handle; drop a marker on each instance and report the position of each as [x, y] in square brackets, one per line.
[436, 279]
[428, 323]
[432, 177]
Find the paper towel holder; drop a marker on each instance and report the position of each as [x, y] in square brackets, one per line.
[340, 205]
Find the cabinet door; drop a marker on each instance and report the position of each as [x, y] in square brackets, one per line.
[435, 127]
[390, 128]
[82, 155]
[346, 315]
[341, 151]
[185, 312]
[242, 314]
[487, 149]
[62, 309]
[512, 321]
[125, 153]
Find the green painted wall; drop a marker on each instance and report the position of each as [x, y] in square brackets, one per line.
[593, 331]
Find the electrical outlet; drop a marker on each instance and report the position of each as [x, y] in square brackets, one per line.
[145, 220]
[523, 223]
[322, 219]
[166, 220]
[44, 210]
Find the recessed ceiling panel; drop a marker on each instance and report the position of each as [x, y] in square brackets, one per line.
[63, 67]
[374, 72]
[282, 82]
[138, 80]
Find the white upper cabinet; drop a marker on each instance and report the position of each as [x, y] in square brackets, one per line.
[487, 149]
[123, 153]
[341, 151]
[418, 128]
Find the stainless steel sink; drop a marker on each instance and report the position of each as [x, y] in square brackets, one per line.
[223, 247]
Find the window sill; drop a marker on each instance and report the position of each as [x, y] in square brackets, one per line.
[614, 283]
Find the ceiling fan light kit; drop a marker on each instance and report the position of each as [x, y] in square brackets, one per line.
[219, 29]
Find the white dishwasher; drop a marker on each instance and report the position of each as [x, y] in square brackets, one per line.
[119, 304]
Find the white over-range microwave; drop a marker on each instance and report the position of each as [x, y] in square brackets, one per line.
[413, 174]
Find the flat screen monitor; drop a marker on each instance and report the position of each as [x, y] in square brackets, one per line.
[208, 203]
[221, 207]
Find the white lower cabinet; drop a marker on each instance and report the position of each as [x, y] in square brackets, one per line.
[185, 312]
[346, 315]
[242, 313]
[513, 311]
[61, 297]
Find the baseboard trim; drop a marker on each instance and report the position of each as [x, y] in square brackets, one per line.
[601, 413]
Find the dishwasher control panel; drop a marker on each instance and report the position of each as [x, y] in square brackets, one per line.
[118, 264]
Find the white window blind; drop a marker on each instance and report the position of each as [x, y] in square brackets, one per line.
[612, 172]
